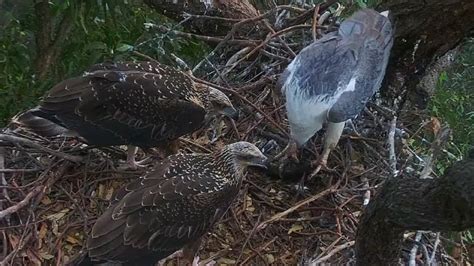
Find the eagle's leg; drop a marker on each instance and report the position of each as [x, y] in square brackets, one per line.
[190, 254]
[131, 163]
[333, 134]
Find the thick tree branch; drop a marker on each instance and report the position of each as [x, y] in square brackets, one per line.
[443, 204]
[425, 30]
[185, 12]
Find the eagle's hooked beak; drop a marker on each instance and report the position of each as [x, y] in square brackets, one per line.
[260, 161]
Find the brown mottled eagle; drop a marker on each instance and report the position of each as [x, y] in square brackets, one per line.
[144, 104]
[171, 207]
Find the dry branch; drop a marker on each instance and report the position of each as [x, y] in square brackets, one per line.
[282, 214]
[12, 209]
[14, 139]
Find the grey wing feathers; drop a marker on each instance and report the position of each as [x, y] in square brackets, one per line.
[374, 35]
[320, 68]
[159, 213]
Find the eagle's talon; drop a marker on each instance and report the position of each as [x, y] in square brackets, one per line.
[301, 189]
[133, 165]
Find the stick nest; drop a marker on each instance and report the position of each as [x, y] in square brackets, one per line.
[52, 199]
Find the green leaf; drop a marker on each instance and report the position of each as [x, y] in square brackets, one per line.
[123, 47]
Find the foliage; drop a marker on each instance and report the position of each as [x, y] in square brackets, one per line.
[102, 30]
[453, 102]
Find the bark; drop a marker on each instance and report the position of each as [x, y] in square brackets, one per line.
[443, 204]
[49, 38]
[424, 30]
[232, 9]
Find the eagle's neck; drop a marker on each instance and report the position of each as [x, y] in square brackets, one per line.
[202, 95]
[227, 161]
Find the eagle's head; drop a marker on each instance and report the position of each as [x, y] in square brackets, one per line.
[219, 103]
[246, 154]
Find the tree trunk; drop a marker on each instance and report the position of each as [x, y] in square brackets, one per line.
[443, 204]
[49, 39]
[424, 30]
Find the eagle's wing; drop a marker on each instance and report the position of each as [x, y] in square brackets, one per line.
[161, 212]
[372, 49]
[360, 89]
[120, 107]
[325, 70]
[141, 66]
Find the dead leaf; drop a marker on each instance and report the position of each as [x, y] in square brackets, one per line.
[357, 169]
[227, 261]
[57, 216]
[43, 230]
[101, 192]
[270, 258]
[72, 240]
[435, 125]
[34, 259]
[295, 228]
[45, 255]
[109, 193]
[14, 240]
[46, 200]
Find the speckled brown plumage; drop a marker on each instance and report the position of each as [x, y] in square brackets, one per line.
[172, 206]
[143, 104]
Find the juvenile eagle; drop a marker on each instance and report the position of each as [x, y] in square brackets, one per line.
[331, 80]
[144, 104]
[171, 207]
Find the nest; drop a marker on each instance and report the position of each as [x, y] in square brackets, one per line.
[55, 189]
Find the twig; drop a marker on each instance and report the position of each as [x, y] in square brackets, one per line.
[194, 16]
[32, 144]
[3, 180]
[440, 139]
[235, 93]
[391, 142]
[260, 249]
[5, 246]
[263, 43]
[12, 209]
[76, 205]
[285, 45]
[21, 245]
[315, 23]
[149, 58]
[204, 38]
[18, 171]
[412, 260]
[435, 247]
[332, 252]
[195, 144]
[229, 35]
[280, 215]
[254, 229]
[367, 193]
